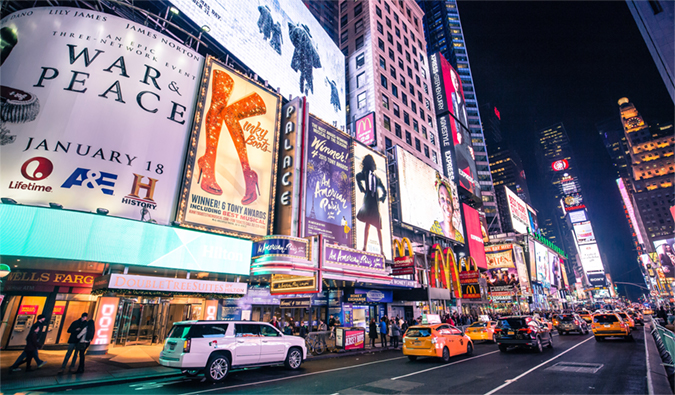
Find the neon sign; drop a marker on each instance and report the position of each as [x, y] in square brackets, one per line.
[105, 319]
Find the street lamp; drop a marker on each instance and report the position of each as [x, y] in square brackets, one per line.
[4, 270]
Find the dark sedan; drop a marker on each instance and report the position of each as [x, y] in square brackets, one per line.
[571, 323]
[522, 331]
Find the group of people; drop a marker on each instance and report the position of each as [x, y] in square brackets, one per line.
[81, 334]
[390, 329]
[301, 328]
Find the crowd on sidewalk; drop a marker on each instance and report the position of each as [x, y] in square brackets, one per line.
[81, 333]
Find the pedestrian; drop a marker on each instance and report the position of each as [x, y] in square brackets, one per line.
[395, 333]
[84, 339]
[331, 322]
[275, 323]
[322, 326]
[287, 329]
[384, 328]
[74, 329]
[30, 351]
[372, 332]
[304, 330]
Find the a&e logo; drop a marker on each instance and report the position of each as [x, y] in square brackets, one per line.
[92, 180]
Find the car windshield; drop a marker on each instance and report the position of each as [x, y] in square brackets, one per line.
[478, 325]
[623, 315]
[418, 332]
[515, 323]
[567, 318]
[605, 318]
[179, 332]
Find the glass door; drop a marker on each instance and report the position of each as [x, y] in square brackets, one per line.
[126, 308]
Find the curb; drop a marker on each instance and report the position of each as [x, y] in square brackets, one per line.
[177, 373]
[657, 379]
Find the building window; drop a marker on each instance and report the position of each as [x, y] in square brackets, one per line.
[359, 42]
[361, 80]
[344, 37]
[419, 96]
[345, 51]
[358, 26]
[656, 6]
[403, 81]
[361, 98]
[379, 28]
[360, 60]
[434, 157]
[400, 64]
[426, 88]
[394, 90]
[411, 89]
[380, 44]
[399, 48]
[427, 104]
[398, 32]
[413, 106]
[343, 6]
[408, 138]
[383, 81]
[358, 9]
[387, 21]
[378, 11]
[386, 8]
[392, 72]
[417, 66]
[397, 129]
[414, 52]
[385, 101]
[396, 17]
[424, 132]
[404, 98]
[422, 114]
[387, 123]
[432, 138]
[418, 145]
[397, 110]
[426, 150]
[343, 21]
[406, 118]
[429, 121]
[405, 41]
[387, 143]
[383, 63]
[391, 54]
[390, 38]
[416, 126]
[407, 56]
[424, 73]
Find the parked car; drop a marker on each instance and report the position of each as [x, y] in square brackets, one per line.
[216, 347]
[571, 323]
[522, 331]
[435, 340]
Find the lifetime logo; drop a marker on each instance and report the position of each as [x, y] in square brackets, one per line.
[34, 169]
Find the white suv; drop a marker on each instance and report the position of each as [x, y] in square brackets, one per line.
[215, 347]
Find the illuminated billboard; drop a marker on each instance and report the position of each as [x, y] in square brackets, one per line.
[590, 258]
[230, 172]
[665, 250]
[631, 211]
[373, 226]
[283, 43]
[474, 235]
[578, 216]
[96, 118]
[573, 201]
[560, 165]
[449, 99]
[584, 233]
[533, 224]
[428, 200]
[517, 211]
[364, 130]
[541, 258]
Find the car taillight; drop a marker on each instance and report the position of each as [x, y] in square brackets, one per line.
[434, 340]
[186, 345]
[526, 330]
[498, 329]
[576, 322]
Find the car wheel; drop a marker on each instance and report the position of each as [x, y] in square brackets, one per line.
[599, 339]
[412, 357]
[503, 348]
[446, 355]
[538, 347]
[191, 372]
[217, 368]
[293, 359]
[550, 341]
[469, 349]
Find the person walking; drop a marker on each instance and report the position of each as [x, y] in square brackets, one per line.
[74, 330]
[372, 332]
[275, 323]
[30, 351]
[384, 328]
[395, 333]
[84, 338]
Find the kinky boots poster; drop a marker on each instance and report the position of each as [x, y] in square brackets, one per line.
[230, 172]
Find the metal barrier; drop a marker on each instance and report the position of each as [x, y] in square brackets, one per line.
[665, 341]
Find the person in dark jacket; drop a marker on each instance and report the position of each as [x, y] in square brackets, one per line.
[74, 330]
[84, 339]
[30, 351]
[372, 332]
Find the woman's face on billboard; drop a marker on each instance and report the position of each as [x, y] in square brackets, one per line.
[445, 201]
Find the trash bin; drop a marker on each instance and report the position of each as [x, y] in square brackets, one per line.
[350, 338]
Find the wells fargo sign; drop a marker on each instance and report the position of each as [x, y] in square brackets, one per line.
[51, 278]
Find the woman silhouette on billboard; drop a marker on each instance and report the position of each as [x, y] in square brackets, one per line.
[370, 185]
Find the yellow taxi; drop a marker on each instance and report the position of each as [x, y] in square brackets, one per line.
[647, 311]
[482, 330]
[586, 316]
[627, 319]
[610, 324]
[435, 340]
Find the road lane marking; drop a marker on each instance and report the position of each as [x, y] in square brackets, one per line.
[443, 366]
[650, 385]
[291, 377]
[508, 382]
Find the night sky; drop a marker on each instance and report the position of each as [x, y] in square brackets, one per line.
[541, 63]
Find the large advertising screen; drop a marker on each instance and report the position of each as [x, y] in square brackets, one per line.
[283, 43]
[541, 257]
[523, 277]
[429, 201]
[665, 250]
[631, 210]
[533, 223]
[517, 211]
[95, 118]
[231, 167]
[584, 233]
[474, 235]
[590, 258]
[328, 187]
[578, 216]
[373, 225]
[554, 269]
[502, 275]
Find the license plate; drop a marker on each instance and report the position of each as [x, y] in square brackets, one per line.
[511, 333]
[607, 326]
[416, 343]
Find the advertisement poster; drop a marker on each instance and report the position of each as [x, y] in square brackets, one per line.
[502, 275]
[354, 339]
[523, 278]
[231, 167]
[373, 225]
[665, 250]
[584, 233]
[474, 236]
[532, 217]
[541, 257]
[96, 113]
[590, 258]
[283, 43]
[554, 269]
[577, 216]
[428, 200]
[365, 130]
[517, 211]
[328, 187]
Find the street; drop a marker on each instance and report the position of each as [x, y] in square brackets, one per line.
[577, 364]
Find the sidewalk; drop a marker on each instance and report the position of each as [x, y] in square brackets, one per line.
[130, 363]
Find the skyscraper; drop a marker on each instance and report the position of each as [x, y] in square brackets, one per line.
[326, 13]
[443, 32]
